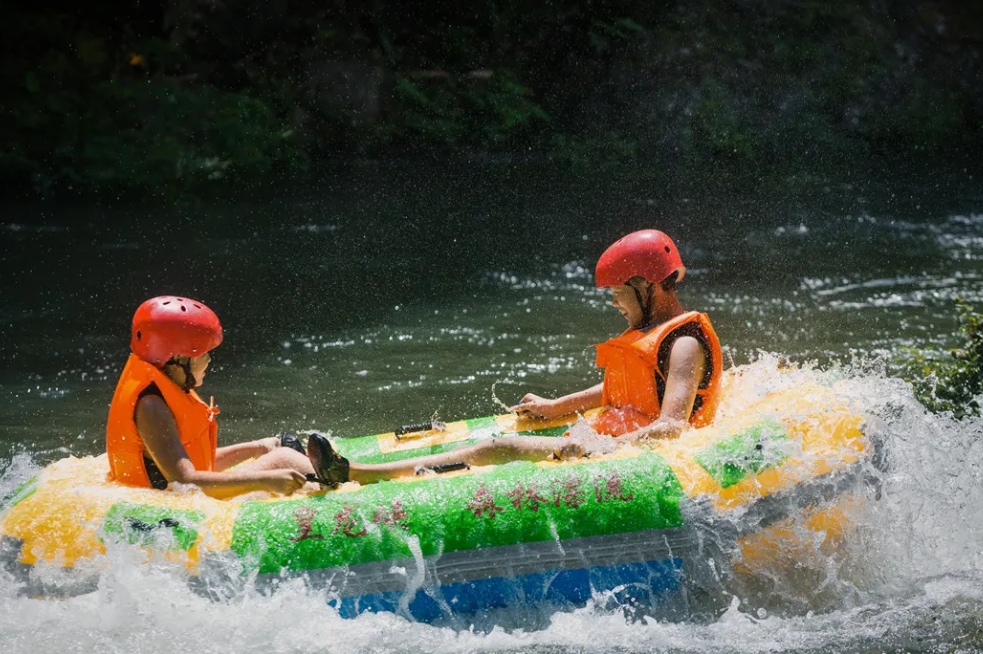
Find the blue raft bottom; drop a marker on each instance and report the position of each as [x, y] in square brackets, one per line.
[631, 584]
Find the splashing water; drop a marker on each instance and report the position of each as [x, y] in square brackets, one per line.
[907, 577]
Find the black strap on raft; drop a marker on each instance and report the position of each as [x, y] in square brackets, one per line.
[443, 467]
[418, 426]
[139, 525]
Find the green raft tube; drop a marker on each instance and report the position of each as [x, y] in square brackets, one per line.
[650, 526]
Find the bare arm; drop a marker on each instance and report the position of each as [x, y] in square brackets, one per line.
[534, 406]
[686, 362]
[159, 432]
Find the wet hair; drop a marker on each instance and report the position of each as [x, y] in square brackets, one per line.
[667, 284]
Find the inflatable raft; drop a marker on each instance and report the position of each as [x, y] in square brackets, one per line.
[644, 526]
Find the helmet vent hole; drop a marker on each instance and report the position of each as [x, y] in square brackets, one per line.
[668, 249]
[197, 306]
[164, 304]
[139, 335]
[184, 308]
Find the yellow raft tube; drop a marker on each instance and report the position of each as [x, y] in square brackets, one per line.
[728, 499]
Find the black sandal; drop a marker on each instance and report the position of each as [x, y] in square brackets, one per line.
[288, 439]
[330, 468]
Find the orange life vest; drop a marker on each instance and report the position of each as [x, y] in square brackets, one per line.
[195, 422]
[633, 375]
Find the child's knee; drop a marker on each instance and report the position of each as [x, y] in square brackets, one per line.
[284, 457]
[294, 459]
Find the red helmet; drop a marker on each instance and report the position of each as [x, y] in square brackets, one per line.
[647, 253]
[165, 327]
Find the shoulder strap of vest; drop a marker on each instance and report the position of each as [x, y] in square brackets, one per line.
[173, 394]
[151, 374]
[648, 346]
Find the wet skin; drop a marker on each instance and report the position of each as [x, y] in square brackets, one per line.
[275, 469]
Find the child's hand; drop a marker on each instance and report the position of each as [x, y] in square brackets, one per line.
[534, 406]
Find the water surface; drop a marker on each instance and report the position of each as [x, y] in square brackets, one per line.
[388, 294]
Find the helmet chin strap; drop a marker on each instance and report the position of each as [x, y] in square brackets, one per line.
[645, 306]
[189, 379]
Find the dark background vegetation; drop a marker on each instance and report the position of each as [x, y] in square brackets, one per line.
[137, 95]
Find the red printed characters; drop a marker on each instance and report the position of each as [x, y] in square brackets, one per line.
[391, 516]
[569, 492]
[527, 497]
[348, 522]
[610, 487]
[305, 522]
[483, 503]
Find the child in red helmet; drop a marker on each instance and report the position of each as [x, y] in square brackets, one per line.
[664, 371]
[661, 375]
[160, 431]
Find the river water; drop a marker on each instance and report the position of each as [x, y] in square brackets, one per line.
[386, 294]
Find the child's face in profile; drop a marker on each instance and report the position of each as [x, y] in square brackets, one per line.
[623, 299]
[199, 365]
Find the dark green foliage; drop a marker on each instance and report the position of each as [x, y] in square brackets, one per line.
[801, 81]
[155, 133]
[593, 152]
[89, 116]
[112, 94]
[483, 110]
[718, 127]
[952, 381]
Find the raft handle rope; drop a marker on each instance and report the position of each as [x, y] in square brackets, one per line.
[431, 425]
[442, 468]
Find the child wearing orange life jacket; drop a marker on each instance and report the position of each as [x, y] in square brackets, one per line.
[159, 430]
[660, 375]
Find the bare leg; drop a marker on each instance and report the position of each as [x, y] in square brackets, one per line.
[280, 458]
[490, 452]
